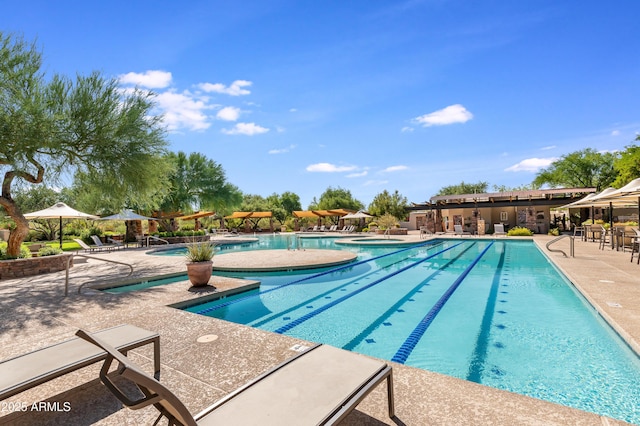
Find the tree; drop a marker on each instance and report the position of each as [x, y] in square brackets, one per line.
[627, 165]
[53, 127]
[197, 183]
[580, 169]
[384, 203]
[504, 188]
[464, 188]
[337, 198]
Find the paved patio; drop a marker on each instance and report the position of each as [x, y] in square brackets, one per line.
[35, 313]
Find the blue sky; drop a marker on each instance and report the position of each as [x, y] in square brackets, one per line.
[364, 95]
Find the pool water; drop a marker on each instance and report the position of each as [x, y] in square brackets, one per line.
[492, 312]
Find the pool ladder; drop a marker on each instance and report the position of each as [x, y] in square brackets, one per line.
[571, 245]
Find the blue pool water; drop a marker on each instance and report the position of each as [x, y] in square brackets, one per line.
[492, 312]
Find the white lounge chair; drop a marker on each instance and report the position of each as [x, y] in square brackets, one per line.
[498, 230]
[457, 229]
[87, 248]
[100, 244]
[319, 386]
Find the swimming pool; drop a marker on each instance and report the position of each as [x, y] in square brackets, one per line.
[492, 312]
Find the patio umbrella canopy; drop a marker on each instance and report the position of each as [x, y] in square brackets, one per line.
[60, 211]
[127, 214]
[629, 193]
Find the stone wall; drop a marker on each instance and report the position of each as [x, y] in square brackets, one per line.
[33, 266]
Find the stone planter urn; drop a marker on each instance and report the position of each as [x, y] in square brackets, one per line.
[199, 272]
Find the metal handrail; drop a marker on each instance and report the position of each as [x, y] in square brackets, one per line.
[66, 278]
[156, 238]
[571, 245]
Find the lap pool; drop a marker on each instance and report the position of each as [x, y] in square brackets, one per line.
[492, 312]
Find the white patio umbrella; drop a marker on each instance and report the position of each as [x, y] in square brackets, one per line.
[59, 211]
[629, 193]
[358, 215]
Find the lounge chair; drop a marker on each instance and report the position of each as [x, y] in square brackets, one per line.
[318, 386]
[108, 247]
[44, 364]
[322, 228]
[457, 229]
[87, 248]
[333, 228]
[498, 229]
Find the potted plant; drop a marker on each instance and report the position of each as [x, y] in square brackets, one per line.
[199, 262]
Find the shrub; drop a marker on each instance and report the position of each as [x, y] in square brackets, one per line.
[24, 252]
[519, 231]
[49, 251]
[200, 252]
[554, 231]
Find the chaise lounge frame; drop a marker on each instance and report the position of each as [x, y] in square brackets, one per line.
[42, 365]
[321, 385]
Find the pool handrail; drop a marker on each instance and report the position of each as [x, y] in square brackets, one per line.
[571, 245]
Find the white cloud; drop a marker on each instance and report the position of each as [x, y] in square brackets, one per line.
[282, 151]
[615, 133]
[355, 175]
[235, 89]
[394, 169]
[547, 148]
[293, 109]
[449, 115]
[375, 182]
[228, 114]
[531, 165]
[152, 79]
[248, 129]
[407, 129]
[329, 168]
[183, 110]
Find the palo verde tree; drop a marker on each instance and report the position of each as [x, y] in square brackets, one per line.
[56, 126]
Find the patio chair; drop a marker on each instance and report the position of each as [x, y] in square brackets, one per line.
[457, 229]
[318, 386]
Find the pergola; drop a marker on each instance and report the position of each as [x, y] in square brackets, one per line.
[196, 217]
[319, 214]
[247, 216]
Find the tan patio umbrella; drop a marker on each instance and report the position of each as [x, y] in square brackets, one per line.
[59, 211]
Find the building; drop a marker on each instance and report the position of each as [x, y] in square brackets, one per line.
[478, 212]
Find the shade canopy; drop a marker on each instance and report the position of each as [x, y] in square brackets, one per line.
[321, 213]
[358, 215]
[59, 211]
[630, 191]
[127, 214]
[249, 215]
[198, 215]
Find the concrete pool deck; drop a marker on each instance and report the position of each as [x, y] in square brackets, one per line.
[35, 313]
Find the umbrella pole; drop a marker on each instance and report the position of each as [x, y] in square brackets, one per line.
[60, 232]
